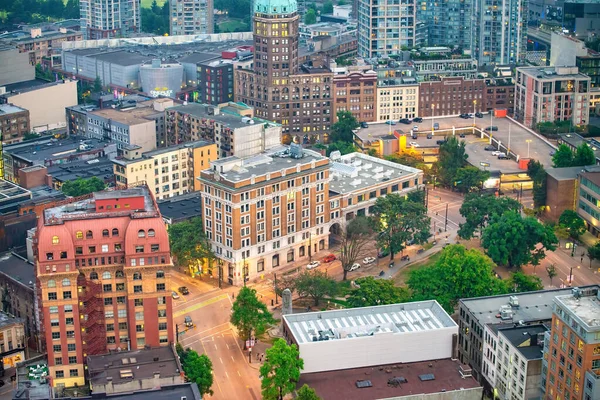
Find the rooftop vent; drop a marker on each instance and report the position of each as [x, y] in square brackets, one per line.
[426, 377]
[363, 384]
[514, 301]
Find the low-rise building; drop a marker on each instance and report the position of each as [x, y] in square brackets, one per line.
[397, 98]
[168, 172]
[12, 340]
[561, 190]
[380, 138]
[499, 94]
[355, 91]
[101, 168]
[14, 123]
[451, 96]
[588, 199]
[435, 67]
[14, 65]
[181, 208]
[324, 29]
[40, 42]
[548, 94]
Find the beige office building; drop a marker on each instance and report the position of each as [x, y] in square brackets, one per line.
[397, 98]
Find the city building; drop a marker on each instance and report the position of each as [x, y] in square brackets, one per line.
[565, 49]
[433, 64]
[215, 82]
[14, 65]
[551, 94]
[561, 190]
[129, 371]
[380, 138]
[588, 199]
[385, 29]
[103, 19]
[446, 24]
[168, 172]
[589, 65]
[397, 98]
[499, 32]
[14, 123]
[499, 94]
[181, 208]
[297, 96]
[355, 91]
[40, 42]
[475, 314]
[512, 360]
[579, 17]
[451, 96]
[47, 151]
[101, 168]
[571, 365]
[229, 125]
[12, 340]
[324, 29]
[191, 17]
[103, 279]
[46, 103]
[265, 210]
[162, 77]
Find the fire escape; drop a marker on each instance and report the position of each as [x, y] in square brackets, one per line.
[91, 308]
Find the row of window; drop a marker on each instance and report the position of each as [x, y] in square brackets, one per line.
[106, 233]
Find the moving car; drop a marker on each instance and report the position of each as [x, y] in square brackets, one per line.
[479, 115]
[390, 122]
[414, 144]
[364, 125]
[436, 126]
[313, 265]
[491, 128]
[329, 258]
[174, 294]
[184, 290]
[368, 260]
[497, 153]
[405, 121]
[354, 267]
[418, 120]
[188, 321]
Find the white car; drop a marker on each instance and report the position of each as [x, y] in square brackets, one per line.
[174, 295]
[313, 265]
[414, 144]
[354, 267]
[415, 128]
[497, 153]
[368, 260]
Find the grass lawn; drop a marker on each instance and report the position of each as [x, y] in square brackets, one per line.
[231, 25]
[402, 276]
[148, 3]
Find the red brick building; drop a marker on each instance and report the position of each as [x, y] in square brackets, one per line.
[451, 96]
[103, 267]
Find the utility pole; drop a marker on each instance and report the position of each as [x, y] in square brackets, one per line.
[446, 223]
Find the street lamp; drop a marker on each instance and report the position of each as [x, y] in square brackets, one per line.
[528, 141]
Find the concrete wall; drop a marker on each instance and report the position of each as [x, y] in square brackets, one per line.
[560, 196]
[465, 394]
[563, 50]
[47, 104]
[143, 135]
[134, 385]
[15, 67]
[533, 381]
[381, 349]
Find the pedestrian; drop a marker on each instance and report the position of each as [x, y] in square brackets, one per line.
[233, 296]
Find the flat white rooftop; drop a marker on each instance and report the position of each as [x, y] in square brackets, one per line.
[368, 321]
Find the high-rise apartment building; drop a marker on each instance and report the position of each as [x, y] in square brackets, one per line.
[446, 23]
[296, 96]
[103, 19]
[571, 364]
[385, 27]
[191, 17]
[103, 267]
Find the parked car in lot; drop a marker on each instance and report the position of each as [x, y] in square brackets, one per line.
[184, 290]
[368, 260]
[418, 120]
[313, 265]
[354, 267]
[174, 295]
[391, 122]
[464, 116]
[405, 121]
[414, 136]
[503, 157]
[429, 136]
[440, 142]
[415, 128]
[489, 148]
[329, 258]
[414, 144]
[497, 153]
[436, 126]
[479, 115]
[491, 128]
[364, 125]
[462, 136]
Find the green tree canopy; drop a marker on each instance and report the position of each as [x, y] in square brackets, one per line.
[551, 271]
[563, 157]
[521, 282]
[478, 209]
[342, 130]
[328, 7]
[452, 156]
[81, 186]
[573, 222]
[250, 314]
[280, 371]
[593, 252]
[355, 235]
[469, 178]
[537, 173]
[373, 292]
[343, 147]
[310, 17]
[458, 273]
[398, 220]
[584, 156]
[189, 244]
[514, 240]
[316, 285]
[198, 369]
[411, 159]
[97, 88]
[307, 393]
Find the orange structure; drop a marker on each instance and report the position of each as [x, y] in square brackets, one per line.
[92, 255]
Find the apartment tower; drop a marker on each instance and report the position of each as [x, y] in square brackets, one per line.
[103, 266]
[191, 17]
[105, 19]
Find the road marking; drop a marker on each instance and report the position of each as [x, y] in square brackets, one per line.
[239, 373]
[227, 346]
[200, 305]
[227, 374]
[220, 359]
[216, 348]
[232, 359]
[216, 380]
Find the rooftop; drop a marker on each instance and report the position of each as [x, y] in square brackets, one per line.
[134, 115]
[525, 339]
[24, 37]
[188, 391]
[205, 111]
[28, 86]
[101, 168]
[357, 171]
[18, 269]
[7, 320]
[163, 150]
[141, 364]
[41, 150]
[31, 380]
[6, 109]
[439, 376]
[182, 207]
[10, 191]
[557, 72]
[533, 306]
[368, 321]
[584, 305]
[564, 174]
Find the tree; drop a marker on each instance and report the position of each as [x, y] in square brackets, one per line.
[458, 273]
[411, 159]
[399, 220]
[189, 244]
[452, 156]
[573, 222]
[584, 155]
[563, 157]
[354, 237]
[342, 147]
[593, 253]
[310, 17]
[281, 370]
[306, 393]
[198, 369]
[514, 240]
[250, 314]
[342, 130]
[328, 7]
[537, 173]
[81, 186]
[479, 209]
[316, 284]
[561, 232]
[521, 282]
[373, 292]
[551, 270]
[469, 178]
[97, 85]
[284, 282]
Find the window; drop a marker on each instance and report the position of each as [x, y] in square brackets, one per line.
[67, 294]
[107, 288]
[139, 328]
[105, 233]
[154, 248]
[93, 275]
[60, 374]
[120, 288]
[137, 276]
[108, 301]
[56, 348]
[162, 313]
[58, 360]
[73, 372]
[139, 248]
[53, 310]
[137, 289]
[51, 283]
[68, 308]
[52, 296]
[89, 235]
[119, 274]
[122, 313]
[151, 233]
[110, 340]
[78, 250]
[71, 347]
[160, 274]
[78, 235]
[91, 249]
[115, 232]
[66, 282]
[122, 326]
[109, 314]
[55, 335]
[55, 240]
[104, 248]
[139, 316]
[141, 233]
[160, 287]
[118, 247]
[141, 342]
[138, 302]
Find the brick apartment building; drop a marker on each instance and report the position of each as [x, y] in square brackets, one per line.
[451, 96]
[14, 123]
[355, 91]
[103, 268]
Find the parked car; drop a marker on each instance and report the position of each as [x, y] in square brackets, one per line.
[391, 122]
[479, 115]
[503, 157]
[405, 121]
[354, 267]
[436, 126]
[184, 290]
[441, 142]
[497, 153]
[364, 125]
[491, 128]
[415, 128]
[462, 136]
[464, 116]
[471, 116]
[429, 136]
[489, 148]
[188, 321]
[414, 136]
[174, 295]
[414, 144]
[368, 260]
[313, 265]
[329, 258]
[418, 120]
